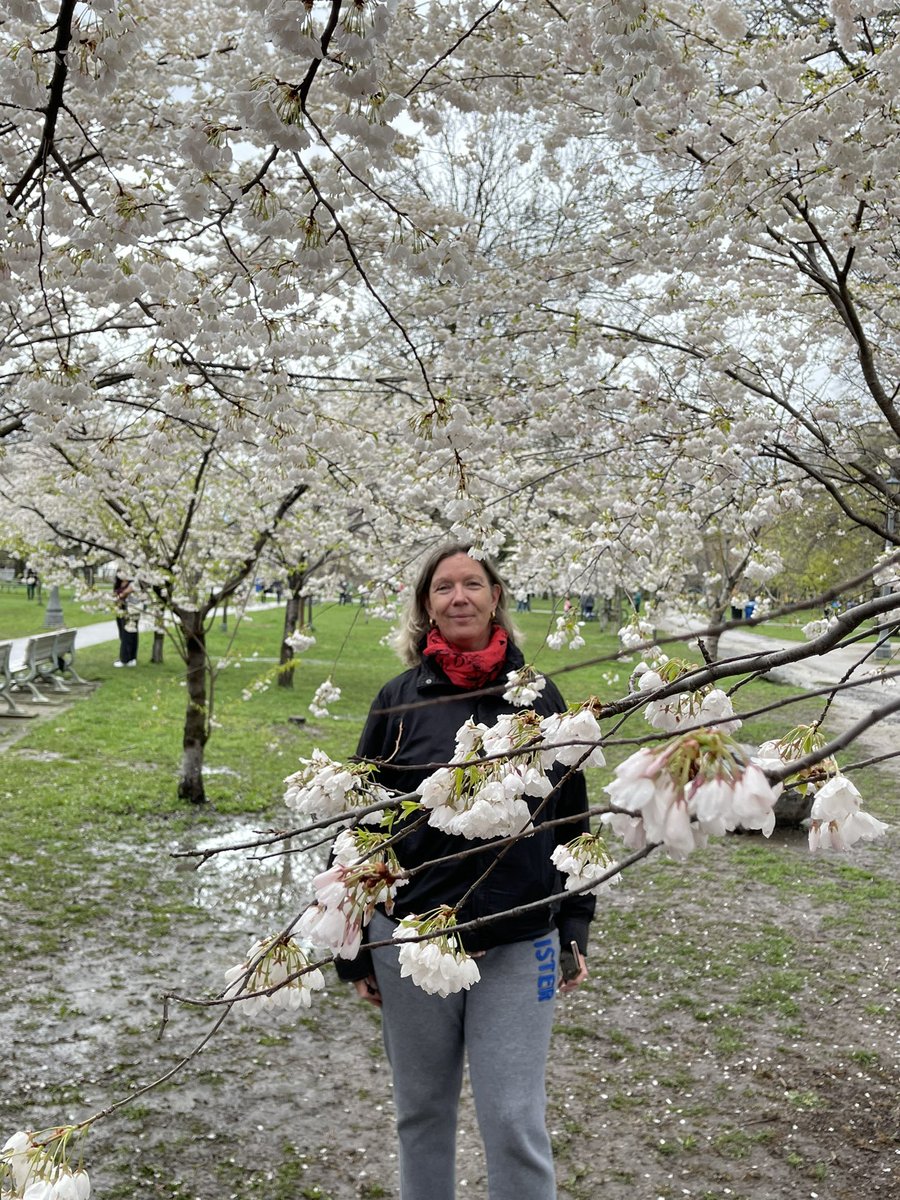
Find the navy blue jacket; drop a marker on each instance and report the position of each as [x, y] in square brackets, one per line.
[419, 739]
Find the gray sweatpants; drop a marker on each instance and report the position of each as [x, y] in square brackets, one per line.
[504, 1023]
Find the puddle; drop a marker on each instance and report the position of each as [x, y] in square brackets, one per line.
[259, 888]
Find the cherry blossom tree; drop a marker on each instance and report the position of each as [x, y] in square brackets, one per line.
[598, 285]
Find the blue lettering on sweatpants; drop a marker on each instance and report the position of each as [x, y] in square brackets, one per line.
[545, 953]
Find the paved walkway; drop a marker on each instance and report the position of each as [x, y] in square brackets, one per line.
[87, 635]
[99, 632]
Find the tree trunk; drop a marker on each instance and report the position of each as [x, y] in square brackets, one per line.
[291, 612]
[156, 654]
[196, 717]
[293, 616]
[718, 610]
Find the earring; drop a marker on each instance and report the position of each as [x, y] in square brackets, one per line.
[432, 622]
[493, 613]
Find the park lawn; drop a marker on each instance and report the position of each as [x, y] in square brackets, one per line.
[115, 754]
[21, 617]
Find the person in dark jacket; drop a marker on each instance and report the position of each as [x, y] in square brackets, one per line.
[126, 622]
[458, 640]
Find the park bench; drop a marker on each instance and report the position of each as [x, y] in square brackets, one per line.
[6, 681]
[40, 664]
[8, 579]
[64, 653]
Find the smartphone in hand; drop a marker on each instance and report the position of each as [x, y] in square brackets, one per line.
[570, 961]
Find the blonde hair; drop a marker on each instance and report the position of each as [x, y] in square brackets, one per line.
[415, 623]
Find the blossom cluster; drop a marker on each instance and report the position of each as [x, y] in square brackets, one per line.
[636, 633]
[687, 710]
[326, 693]
[274, 962]
[300, 641]
[697, 785]
[836, 822]
[34, 1169]
[365, 873]
[585, 860]
[523, 687]
[567, 633]
[796, 744]
[325, 788]
[479, 799]
[483, 793]
[836, 819]
[440, 965]
[813, 629]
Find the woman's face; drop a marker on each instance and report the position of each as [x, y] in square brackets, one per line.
[460, 601]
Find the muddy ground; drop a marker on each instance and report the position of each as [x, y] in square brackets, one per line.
[736, 1040]
[739, 1038]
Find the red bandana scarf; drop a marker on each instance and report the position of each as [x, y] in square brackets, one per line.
[468, 668]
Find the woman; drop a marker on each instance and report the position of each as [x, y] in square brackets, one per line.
[457, 641]
[126, 622]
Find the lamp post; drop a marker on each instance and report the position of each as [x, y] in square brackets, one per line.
[883, 648]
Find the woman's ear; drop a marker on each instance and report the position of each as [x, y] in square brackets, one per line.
[495, 595]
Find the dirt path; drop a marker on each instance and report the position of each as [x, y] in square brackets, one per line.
[848, 706]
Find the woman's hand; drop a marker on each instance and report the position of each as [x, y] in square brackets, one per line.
[367, 989]
[569, 984]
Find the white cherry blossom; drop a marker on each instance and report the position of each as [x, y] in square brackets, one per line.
[583, 861]
[325, 788]
[440, 965]
[837, 821]
[270, 963]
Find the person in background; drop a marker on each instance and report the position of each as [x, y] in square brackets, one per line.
[126, 622]
[31, 582]
[458, 640]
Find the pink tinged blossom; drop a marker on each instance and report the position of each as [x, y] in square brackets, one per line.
[667, 819]
[634, 783]
[711, 805]
[630, 830]
[333, 928]
[692, 789]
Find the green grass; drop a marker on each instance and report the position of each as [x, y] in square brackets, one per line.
[21, 617]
